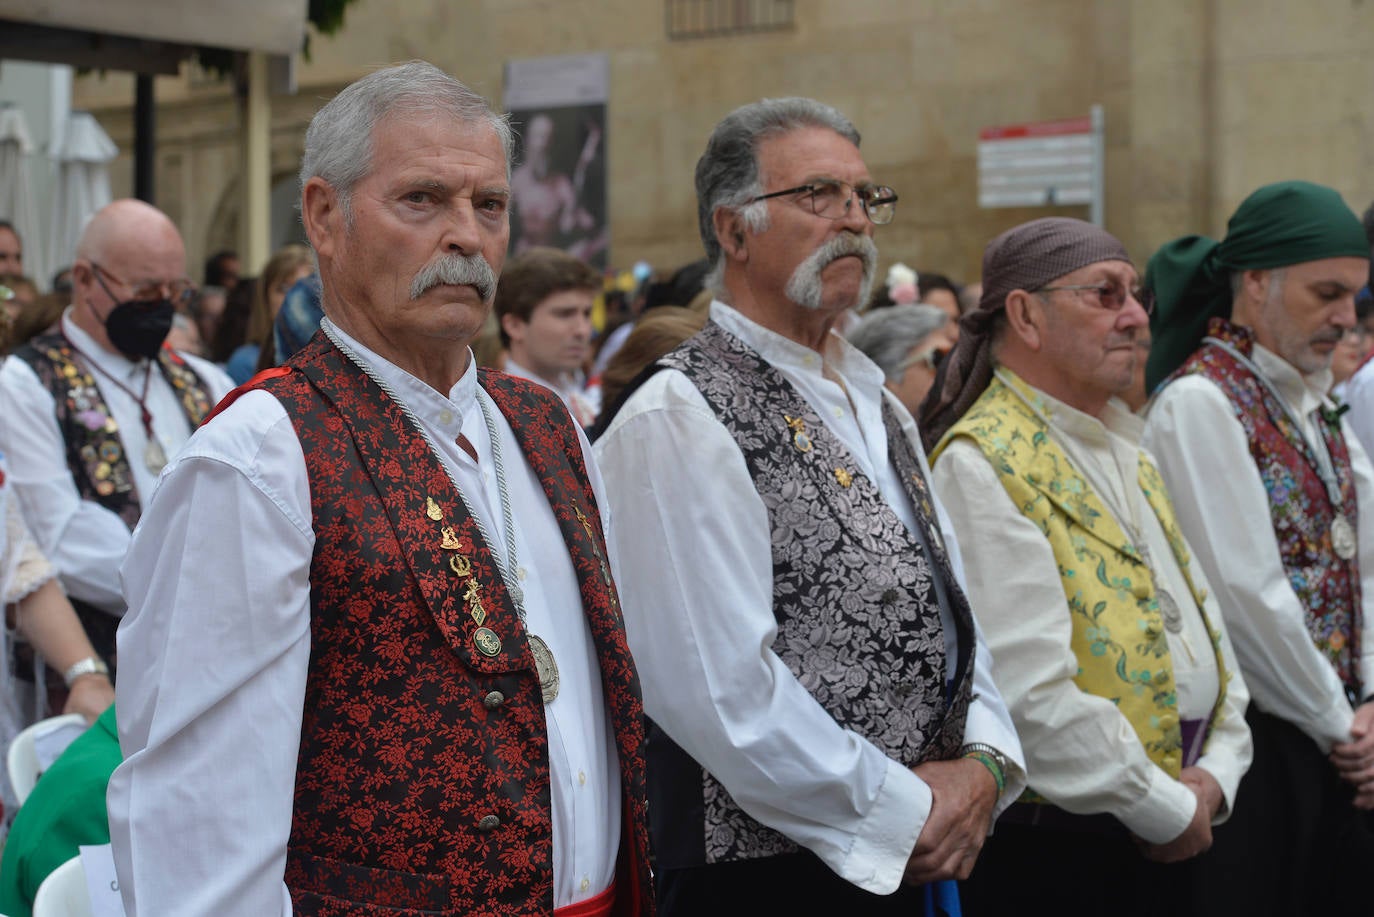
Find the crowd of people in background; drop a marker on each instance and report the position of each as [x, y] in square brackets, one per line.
[1080, 546]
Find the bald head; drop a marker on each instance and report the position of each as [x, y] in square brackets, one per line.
[127, 223]
[127, 245]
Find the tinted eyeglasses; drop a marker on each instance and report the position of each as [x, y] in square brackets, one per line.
[1110, 296]
[832, 199]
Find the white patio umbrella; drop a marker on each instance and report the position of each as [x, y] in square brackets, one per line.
[83, 156]
[17, 204]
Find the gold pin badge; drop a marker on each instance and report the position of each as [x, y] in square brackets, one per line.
[460, 564]
[586, 523]
[432, 509]
[473, 597]
[450, 542]
[486, 641]
[799, 437]
[844, 477]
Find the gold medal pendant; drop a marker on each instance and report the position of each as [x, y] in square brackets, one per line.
[1343, 537]
[546, 667]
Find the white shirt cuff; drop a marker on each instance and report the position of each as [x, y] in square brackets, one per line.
[1163, 813]
[886, 837]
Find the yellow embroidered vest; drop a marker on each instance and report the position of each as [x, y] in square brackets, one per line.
[1118, 631]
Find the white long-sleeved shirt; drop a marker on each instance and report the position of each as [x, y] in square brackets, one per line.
[215, 650]
[85, 541]
[1359, 394]
[696, 578]
[1082, 753]
[1223, 510]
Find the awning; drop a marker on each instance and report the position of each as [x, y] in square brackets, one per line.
[148, 36]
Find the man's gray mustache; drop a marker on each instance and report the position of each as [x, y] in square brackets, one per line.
[456, 270]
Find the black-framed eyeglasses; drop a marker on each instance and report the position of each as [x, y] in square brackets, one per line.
[831, 198]
[179, 291]
[1110, 296]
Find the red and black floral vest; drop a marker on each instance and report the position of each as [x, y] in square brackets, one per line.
[95, 453]
[422, 784]
[1327, 586]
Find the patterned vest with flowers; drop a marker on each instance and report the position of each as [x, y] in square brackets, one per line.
[96, 458]
[422, 783]
[1327, 586]
[1118, 632]
[854, 595]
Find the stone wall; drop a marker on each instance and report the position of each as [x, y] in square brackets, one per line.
[1204, 101]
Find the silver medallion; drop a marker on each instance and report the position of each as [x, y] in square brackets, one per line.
[153, 456]
[546, 668]
[1343, 537]
[1168, 610]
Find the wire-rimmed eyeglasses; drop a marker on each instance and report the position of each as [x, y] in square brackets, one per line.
[832, 198]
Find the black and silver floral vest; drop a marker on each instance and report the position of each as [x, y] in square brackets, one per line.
[856, 595]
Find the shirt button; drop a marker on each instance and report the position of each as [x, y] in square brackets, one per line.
[488, 823]
[839, 412]
[582, 777]
[446, 417]
[586, 883]
[520, 574]
[493, 700]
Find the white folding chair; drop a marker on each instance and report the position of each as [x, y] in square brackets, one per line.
[63, 893]
[36, 748]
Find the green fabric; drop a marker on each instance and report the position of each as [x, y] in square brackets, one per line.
[1285, 223]
[65, 810]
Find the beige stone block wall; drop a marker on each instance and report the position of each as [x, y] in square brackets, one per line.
[1204, 100]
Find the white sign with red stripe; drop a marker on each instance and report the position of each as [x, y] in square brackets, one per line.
[1042, 163]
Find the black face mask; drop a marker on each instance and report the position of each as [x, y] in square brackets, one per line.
[137, 328]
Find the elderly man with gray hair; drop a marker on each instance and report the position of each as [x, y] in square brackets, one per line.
[907, 342]
[826, 734]
[374, 666]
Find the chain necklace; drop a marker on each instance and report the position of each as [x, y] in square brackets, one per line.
[154, 456]
[509, 566]
[1343, 540]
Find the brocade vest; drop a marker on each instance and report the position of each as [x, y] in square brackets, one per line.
[96, 458]
[1327, 586]
[1118, 632]
[843, 564]
[422, 783]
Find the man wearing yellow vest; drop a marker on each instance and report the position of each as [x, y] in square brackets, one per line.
[1107, 646]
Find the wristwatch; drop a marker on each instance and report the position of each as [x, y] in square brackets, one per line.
[91, 665]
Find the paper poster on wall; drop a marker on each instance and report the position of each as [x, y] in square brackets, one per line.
[558, 109]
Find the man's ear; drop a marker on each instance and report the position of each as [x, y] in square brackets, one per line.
[1026, 318]
[322, 216]
[729, 226]
[514, 326]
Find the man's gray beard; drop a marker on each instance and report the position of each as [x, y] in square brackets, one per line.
[457, 270]
[805, 287]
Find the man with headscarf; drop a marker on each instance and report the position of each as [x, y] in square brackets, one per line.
[827, 737]
[1275, 495]
[1107, 647]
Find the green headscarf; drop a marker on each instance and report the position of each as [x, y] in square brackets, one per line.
[1289, 222]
